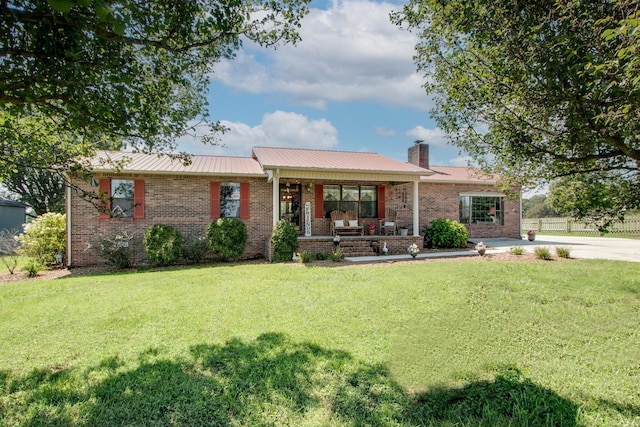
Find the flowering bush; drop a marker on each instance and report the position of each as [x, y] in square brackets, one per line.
[371, 226]
[531, 232]
[44, 237]
[481, 248]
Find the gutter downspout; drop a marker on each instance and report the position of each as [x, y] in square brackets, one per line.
[68, 209]
[416, 210]
[276, 196]
[520, 224]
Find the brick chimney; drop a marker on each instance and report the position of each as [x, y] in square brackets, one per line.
[419, 154]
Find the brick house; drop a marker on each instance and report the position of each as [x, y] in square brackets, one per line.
[302, 186]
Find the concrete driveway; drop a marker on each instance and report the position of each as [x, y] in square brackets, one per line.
[611, 248]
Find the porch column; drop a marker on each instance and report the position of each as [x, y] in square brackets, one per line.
[276, 197]
[416, 209]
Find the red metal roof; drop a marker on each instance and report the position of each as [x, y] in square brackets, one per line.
[200, 165]
[453, 174]
[283, 158]
[294, 158]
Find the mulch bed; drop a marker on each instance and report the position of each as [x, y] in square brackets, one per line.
[20, 276]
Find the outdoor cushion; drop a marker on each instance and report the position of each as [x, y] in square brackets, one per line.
[339, 223]
[353, 223]
[389, 224]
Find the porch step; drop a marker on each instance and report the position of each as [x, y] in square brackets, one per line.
[352, 248]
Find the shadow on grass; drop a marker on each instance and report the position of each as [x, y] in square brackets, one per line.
[270, 381]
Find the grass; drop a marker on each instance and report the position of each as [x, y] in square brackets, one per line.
[425, 343]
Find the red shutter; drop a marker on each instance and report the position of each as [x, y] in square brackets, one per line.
[319, 200]
[138, 199]
[104, 195]
[382, 203]
[214, 199]
[244, 200]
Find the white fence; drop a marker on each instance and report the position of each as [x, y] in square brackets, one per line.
[631, 224]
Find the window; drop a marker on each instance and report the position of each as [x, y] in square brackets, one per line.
[481, 210]
[121, 198]
[230, 200]
[361, 199]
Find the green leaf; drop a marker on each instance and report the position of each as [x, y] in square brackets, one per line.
[118, 27]
[60, 5]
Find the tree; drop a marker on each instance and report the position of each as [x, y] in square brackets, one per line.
[535, 90]
[537, 207]
[41, 189]
[126, 71]
[594, 198]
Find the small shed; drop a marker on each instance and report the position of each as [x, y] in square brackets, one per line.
[12, 215]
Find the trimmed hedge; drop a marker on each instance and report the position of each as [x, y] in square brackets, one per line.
[227, 237]
[446, 233]
[162, 244]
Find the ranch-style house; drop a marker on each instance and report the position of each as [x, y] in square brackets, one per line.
[366, 198]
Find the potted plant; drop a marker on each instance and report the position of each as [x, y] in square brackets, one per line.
[403, 230]
[531, 235]
[481, 248]
[371, 229]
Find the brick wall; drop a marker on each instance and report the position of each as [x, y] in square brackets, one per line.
[183, 202]
[442, 201]
[180, 201]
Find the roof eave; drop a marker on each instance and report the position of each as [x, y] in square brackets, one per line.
[181, 173]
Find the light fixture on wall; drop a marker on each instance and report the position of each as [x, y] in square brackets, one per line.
[310, 187]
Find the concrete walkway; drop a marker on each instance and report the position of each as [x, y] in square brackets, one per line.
[610, 248]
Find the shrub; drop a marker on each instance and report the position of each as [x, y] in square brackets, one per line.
[336, 254]
[118, 249]
[319, 256]
[195, 249]
[517, 250]
[305, 257]
[9, 245]
[563, 252]
[162, 244]
[285, 240]
[542, 252]
[44, 237]
[227, 237]
[446, 233]
[33, 267]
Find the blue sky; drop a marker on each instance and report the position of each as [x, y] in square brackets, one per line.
[349, 85]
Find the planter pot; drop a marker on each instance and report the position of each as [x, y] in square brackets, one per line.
[404, 232]
[371, 232]
[481, 251]
[531, 237]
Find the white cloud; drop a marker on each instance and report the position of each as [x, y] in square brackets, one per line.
[462, 162]
[350, 52]
[382, 131]
[434, 137]
[277, 129]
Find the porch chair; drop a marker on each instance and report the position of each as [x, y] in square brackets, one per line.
[337, 220]
[345, 223]
[389, 225]
[351, 222]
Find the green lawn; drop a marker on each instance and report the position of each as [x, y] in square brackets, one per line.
[427, 343]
